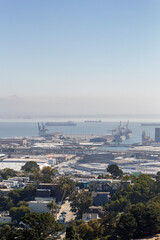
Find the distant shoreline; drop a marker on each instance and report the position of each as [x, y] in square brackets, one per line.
[142, 118]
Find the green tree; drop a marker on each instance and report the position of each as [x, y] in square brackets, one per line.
[15, 195]
[48, 174]
[96, 226]
[23, 234]
[126, 226]
[42, 223]
[17, 213]
[115, 171]
[156, 199]
[142, 190]
[22, 194]
[119, 205]
[36, 176]
[5, 231]
[5, 203]
[107, 224]
[53, 207]
[22, 203]
[7, 173]
[81, 201]
[147, 218]
[30, 166]
[28, 192]
[129, 177]
[85, 231]
[158, 182]
[70, 232]
[145, 187]
[67, 185]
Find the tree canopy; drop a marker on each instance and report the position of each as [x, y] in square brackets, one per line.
[134, 212]
[30, 166]
[42, 223]
[48, 174]
[5, 203]
[17, 213]
[143, 189]
[53, 207]
[81, 201]
[7, 173]
[27, 193]
[115, 171]
[67, 185]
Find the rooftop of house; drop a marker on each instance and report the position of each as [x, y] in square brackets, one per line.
[95, 208]
[89, 216]
[94, 194]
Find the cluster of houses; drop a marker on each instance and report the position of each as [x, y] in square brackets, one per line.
[14, 182]
[101, 189]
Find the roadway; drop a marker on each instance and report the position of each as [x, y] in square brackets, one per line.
[69, 214]
[65, 207]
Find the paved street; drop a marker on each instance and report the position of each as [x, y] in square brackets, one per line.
[69, 215]
[67, 208]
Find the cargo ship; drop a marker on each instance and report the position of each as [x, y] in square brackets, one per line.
[92, 121]
[60, 124]
[150, 124]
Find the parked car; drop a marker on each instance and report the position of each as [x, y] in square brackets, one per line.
[63, 213]
[61, 219]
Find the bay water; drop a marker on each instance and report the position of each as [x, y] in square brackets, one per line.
[30, 129]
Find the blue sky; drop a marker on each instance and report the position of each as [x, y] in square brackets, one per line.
[102, 52]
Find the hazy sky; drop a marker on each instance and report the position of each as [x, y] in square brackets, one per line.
[86, 56]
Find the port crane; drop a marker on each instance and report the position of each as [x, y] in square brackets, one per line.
[41, 128]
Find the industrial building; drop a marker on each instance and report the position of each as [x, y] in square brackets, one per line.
[157, 135]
